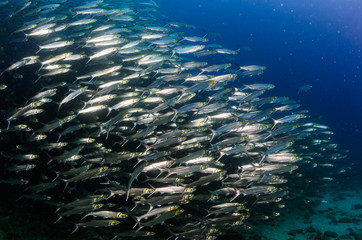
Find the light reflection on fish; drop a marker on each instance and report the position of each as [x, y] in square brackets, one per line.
[152, 134]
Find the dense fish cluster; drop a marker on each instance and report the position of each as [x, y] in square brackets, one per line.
[110, 113]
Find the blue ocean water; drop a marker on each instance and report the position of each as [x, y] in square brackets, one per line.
[314, 43]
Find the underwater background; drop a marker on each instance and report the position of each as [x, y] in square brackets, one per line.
[316, 43]
[311, 42]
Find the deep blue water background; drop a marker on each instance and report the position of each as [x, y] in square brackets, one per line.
[315, 42]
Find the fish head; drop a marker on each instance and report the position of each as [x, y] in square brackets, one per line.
[148, 191]
[189, 190]
[122, 215]
[179, 211]
[114, 222]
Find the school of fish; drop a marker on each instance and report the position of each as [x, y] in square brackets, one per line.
[111, 113]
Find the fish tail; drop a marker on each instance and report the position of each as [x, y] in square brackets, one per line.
[56, 176]
[66, 183]
[134, 125]
[84, 216]
[19, 198]
[59, 105]
[213, 146]
[137, 219]
[38, 50]
[111, 194]
[60, 135]
[60, 217]
[9, 121]
[26, 37]
[237, 194]
[275, 122]
[245, 86]
[201, 72]
[109, 111]
[75, 229]
[169, 174]
[175, 111]
[221, 155]
[135, 205]
[74, 13]
[125, 140]
[107, 133]
[213, 134]
[270, 134]
[89, 60]
[127, 195]
[262, 160]
[139, 228]
[41, 66]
